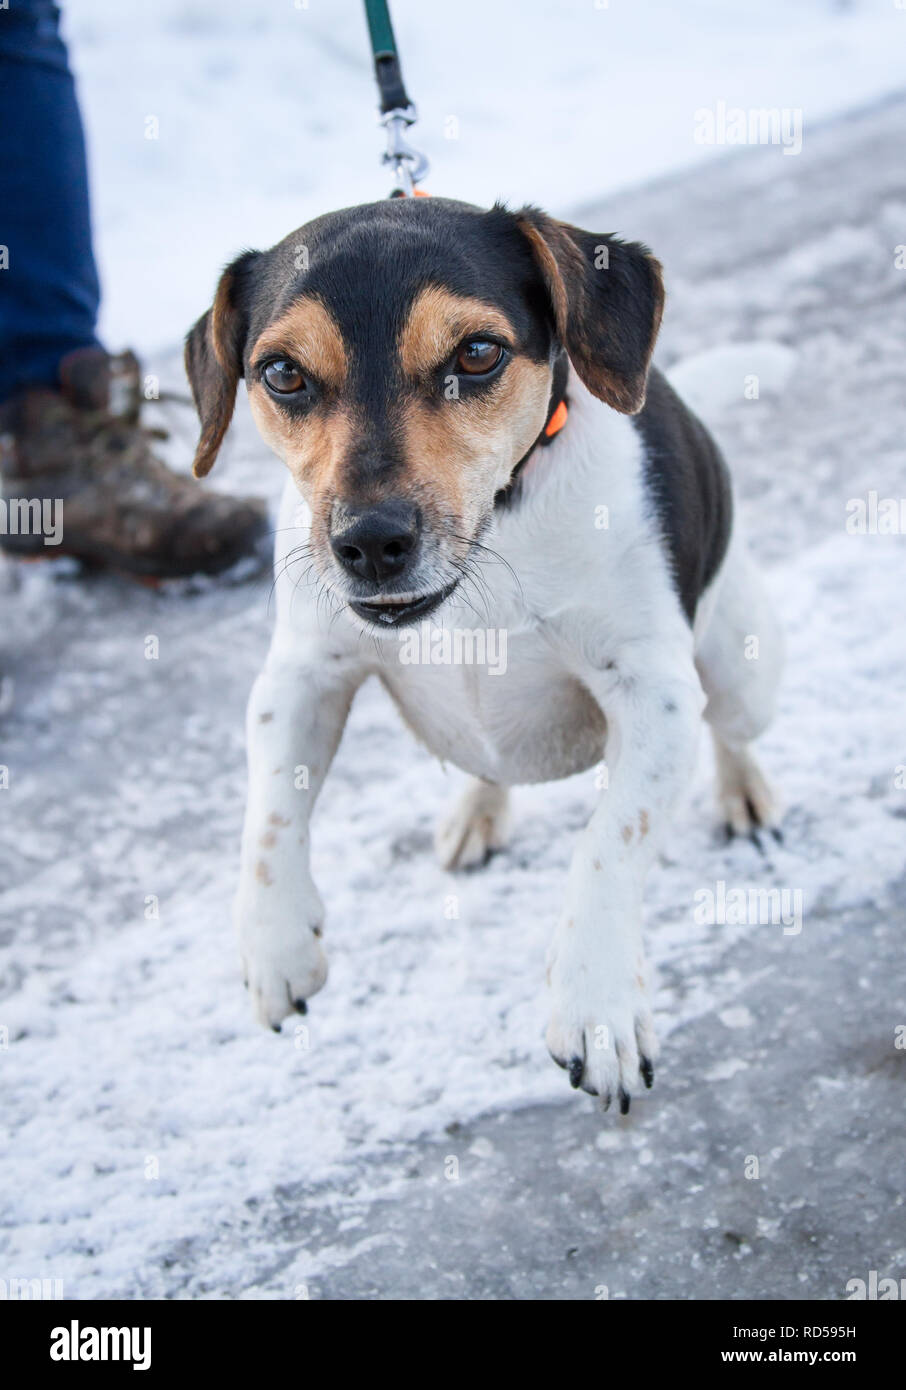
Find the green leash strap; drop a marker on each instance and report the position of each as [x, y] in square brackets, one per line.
[386, 59]
[397, 111]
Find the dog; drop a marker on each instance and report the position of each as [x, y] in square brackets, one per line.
[465, 403]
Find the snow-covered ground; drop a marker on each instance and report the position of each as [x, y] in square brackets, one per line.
[157, 1142]
[266, 114]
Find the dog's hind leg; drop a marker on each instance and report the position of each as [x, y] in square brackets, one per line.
[739, 659]
[475, 826]
[746, 801]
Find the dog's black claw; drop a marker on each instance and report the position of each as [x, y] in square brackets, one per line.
[588, 1089]
[729, 832]
[300, 1006]
[756, 841]
[777, 834]
[276, 1028]
[646, 1067]
[625, 1101]
[605, 1101]
[559, 1060]
[576, 1068]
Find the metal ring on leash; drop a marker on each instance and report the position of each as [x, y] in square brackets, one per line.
[398, 113]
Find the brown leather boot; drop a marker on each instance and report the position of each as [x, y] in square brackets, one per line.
[81, 454]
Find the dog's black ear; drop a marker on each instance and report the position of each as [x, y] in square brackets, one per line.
[607, 297]
[213, 357]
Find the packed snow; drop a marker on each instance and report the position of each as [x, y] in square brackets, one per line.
[216, 124]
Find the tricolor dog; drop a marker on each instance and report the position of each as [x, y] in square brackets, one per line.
[411, 362]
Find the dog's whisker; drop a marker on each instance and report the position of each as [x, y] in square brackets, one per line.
[468, 583]
[471, 577]
[292, 557]
[494, 557]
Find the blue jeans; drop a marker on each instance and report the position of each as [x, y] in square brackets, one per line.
[49, 291]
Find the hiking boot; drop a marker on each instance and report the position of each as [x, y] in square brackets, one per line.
[83, 447]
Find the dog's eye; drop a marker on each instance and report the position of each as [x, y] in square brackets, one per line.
[284, 377]
[478, 357]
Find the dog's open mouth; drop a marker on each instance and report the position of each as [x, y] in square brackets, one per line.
[390, 612]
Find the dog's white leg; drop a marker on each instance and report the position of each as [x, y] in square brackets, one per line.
[475, 826]
[296, 716]
[601, 1028]
[740, 659]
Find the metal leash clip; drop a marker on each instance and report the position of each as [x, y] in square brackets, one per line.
[409, 165]
[397, 110]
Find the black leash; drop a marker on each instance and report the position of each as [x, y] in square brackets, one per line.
[397, 111]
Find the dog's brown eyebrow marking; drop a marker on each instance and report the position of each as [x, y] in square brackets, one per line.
[437, 323]
[308, 333]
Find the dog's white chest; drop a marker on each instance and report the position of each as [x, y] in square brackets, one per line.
[490, 702]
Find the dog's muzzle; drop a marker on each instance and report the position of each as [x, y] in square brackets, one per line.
[377, 546]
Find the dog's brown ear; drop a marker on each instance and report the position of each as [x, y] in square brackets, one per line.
[607, 297]
[213, 358]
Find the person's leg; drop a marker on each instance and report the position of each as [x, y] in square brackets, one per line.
[68, 448]
[49, 289]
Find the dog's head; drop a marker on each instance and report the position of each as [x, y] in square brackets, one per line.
[399, 359]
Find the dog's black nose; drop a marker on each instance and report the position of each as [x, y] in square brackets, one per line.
[374, 542]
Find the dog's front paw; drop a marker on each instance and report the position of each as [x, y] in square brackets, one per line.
[601, 1031]
[283, 961]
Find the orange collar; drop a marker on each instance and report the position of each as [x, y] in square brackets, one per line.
[557, 421]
